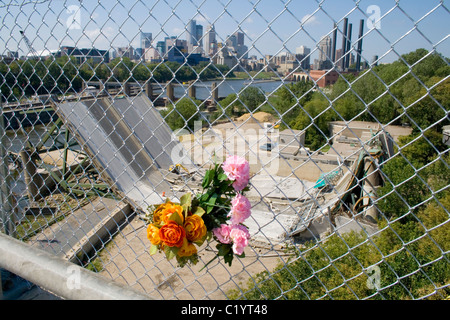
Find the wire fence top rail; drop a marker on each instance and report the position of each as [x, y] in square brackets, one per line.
[229, 149]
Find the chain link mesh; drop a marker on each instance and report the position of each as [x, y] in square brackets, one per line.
[341, 110]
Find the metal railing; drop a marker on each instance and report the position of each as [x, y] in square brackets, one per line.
[109, 108]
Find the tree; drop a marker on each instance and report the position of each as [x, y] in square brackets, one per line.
[251, 98]
[290, 96]
[314, 117]
[183, 114]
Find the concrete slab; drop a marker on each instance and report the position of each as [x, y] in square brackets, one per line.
[267, 227]
[279, 187]
[83, 229]
[345, 225]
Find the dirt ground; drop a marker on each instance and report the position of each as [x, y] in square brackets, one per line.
[128, 261]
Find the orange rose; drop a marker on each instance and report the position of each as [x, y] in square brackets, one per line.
[157, 214]
[195, 228]
[172, 234]
[187, 249]
[164, 211]
[153, 234]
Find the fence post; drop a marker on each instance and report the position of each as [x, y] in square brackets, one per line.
[32, 179]
[149, 89]
[170, 92]
[192, 89]
[127, 88]
[214, 93]
[5, 195]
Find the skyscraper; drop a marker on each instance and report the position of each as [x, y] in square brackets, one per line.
[210, 41]
[199, 35]
[194, 36]
[239, 38]
[146, 40]
[302, 55]
[235, 42]
[325, 53]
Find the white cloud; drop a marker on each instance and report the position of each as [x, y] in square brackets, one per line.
[309, 20]
[202, 18]
[248, 20]
[177, 31]
[100, 38]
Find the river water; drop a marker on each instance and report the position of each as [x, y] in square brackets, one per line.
[203, 88]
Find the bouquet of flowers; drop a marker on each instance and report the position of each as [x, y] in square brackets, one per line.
[219, 213]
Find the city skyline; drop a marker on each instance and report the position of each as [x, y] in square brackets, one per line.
[268, 28]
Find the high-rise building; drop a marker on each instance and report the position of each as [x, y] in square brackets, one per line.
[303, 56]
[210, 41]
[191, 37]
[325, 53]
[152, 55]
[126, 52]
[194, 36]
[175, 49]
[235, 43]
[232, 41]
[161, 46]
[146, 40]
[325, 48]
[199, 35]
[240, 38]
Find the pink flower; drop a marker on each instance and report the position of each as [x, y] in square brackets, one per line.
[237, 169]
[240, 236]
[223, 233]
[240, 209]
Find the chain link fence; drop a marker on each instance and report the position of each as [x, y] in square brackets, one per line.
[342, 111]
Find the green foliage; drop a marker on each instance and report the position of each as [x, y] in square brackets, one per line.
[250, 99]
[411, 179]
[183, 114]
[338, 268]
[63, 75]
[411, 247]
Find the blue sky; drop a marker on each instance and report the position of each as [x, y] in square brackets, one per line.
[271, 26]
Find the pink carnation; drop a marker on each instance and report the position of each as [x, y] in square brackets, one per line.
[240, 209]
[237, 169]
[223, 233]
[240, 236]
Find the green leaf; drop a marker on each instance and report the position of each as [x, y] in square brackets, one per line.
[209, 177]
[186, 199]
[185, 210]
[222, 177]
[213, 199]
[153, 249]
[200, 242]
[171, 252]
[211, 202]
[176, 217]
[198, 211]
[224, 249]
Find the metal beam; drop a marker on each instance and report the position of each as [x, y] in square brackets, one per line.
[59, 276]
